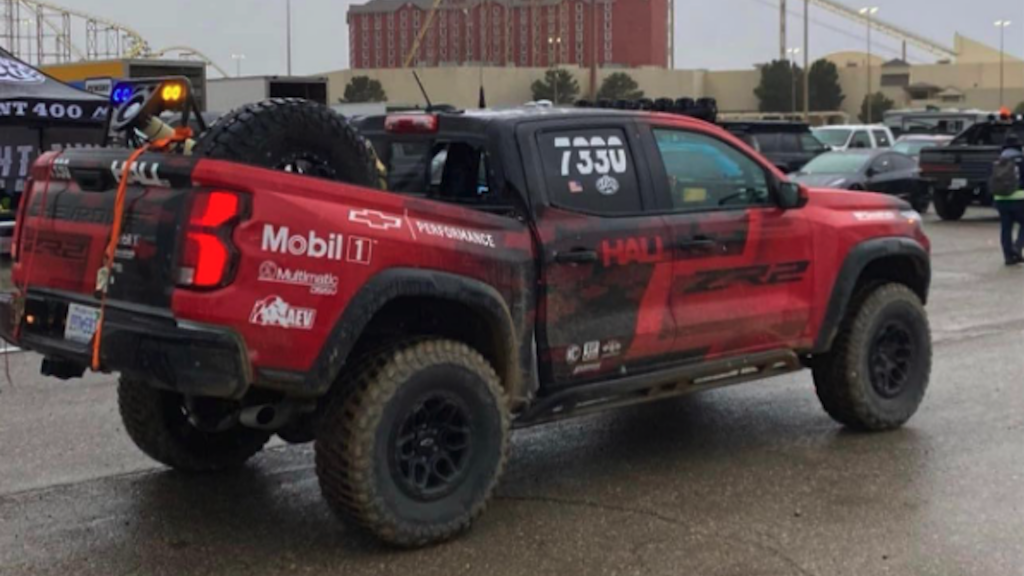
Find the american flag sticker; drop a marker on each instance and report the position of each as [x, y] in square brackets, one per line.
[575, 187]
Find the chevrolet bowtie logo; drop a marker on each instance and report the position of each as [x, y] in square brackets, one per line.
[374, 219]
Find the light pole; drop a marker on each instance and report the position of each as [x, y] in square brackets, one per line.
[288, 26]
[807, 61]
[238, 63]
[556, 43]
[1002, 25]
[791, 53]
[867, 13]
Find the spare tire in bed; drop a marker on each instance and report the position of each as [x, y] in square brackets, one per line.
[292, 135]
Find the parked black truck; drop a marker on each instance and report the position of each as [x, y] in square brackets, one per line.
[958, 174]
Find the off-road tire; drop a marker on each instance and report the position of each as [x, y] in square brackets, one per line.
[843, 377]
[277, 132]
[921, 202]
[948, 206]
[357, 462]
[155, 422]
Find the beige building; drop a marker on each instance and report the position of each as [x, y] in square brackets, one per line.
[970, 82]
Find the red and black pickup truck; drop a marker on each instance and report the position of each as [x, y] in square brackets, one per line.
[524, 266]
[959, 173]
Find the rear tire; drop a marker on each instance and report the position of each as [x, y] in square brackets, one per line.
[292, 135]
[948, 205]
[877, 372]
[413, 448]
[920, 202]
[157, 422]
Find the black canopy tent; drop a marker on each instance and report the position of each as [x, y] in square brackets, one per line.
[39, 113]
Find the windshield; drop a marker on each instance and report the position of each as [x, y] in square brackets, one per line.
[833, 137]
[836, 163]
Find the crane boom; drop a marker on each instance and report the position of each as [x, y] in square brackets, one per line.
[419, 37]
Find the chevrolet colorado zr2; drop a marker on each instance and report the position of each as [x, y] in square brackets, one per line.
[521, 267]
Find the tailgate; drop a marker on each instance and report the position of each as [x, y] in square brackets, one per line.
[66, 221]
[970, 162]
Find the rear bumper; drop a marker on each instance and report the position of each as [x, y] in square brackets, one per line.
[184, 357]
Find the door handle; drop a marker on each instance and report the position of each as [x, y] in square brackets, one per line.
[576, 256]
[697, 243]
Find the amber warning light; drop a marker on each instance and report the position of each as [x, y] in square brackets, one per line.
[172, 92]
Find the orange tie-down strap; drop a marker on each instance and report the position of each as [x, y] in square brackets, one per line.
[181, 134]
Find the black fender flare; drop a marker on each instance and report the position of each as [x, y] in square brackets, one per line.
[405, 282]
[856, 261]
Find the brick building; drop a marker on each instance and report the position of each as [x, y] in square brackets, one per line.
[525, 33]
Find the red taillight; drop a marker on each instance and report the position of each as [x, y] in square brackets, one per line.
[411, 124]
[207, 253]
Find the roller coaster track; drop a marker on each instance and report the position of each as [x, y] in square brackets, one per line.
[886, 28]
[44, 33]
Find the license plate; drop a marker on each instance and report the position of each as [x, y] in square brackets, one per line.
[957, 183]
[81, 323]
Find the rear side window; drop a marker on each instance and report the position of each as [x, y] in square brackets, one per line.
[883, 164]
[811, 144]
[882, 138]
[769, 142]
[590, 170]
[901, 162]
[861, 140]
[407, 165]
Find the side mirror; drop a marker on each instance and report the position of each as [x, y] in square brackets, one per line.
[871, 173]
[792, 195]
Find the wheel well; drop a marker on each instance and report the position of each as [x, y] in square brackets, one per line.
[901, 269]
[412, 316]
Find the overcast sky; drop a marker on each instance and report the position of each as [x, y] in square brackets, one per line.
[715, 34]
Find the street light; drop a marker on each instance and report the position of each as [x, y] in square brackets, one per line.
[288, 26]
[807, 61]
[1002, 25]
[790, 54]
[238, 63]
[867, 13]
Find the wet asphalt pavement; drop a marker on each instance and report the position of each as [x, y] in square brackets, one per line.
[746, 481]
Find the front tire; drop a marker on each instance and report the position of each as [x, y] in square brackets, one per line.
[948, 205]
[160, 425]
[413, 449]
[877, 372]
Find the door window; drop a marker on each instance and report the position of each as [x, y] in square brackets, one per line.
[882, 138]
[591, 171]
[861, 140]
[705, 173]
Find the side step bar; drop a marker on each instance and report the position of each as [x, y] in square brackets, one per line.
[649, 387]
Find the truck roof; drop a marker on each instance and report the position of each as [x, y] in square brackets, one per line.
[475, 119]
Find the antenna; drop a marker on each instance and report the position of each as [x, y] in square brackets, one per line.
[422, 90]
